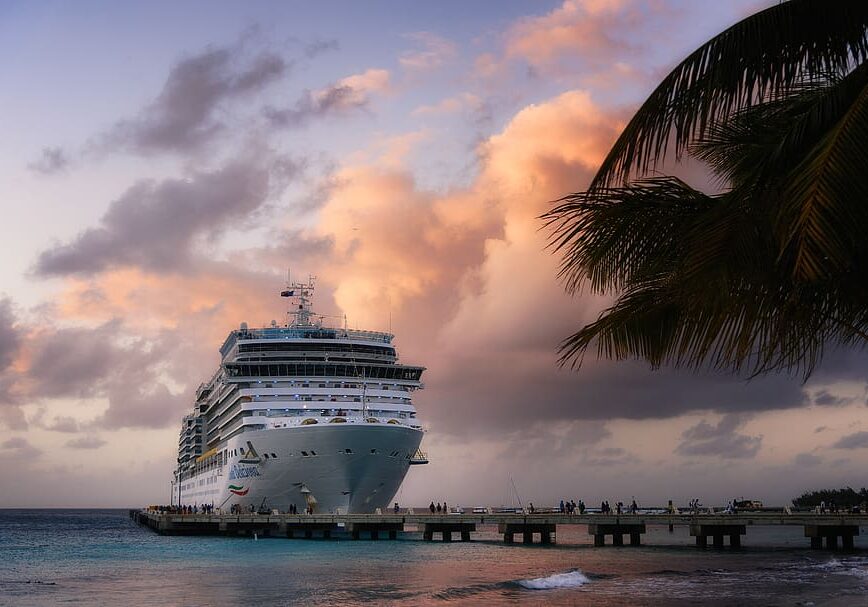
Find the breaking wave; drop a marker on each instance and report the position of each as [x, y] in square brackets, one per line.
[571, 579]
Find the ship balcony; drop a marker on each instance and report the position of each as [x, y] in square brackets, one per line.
[261, 420]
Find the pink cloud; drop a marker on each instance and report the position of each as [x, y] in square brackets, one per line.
[577, 26]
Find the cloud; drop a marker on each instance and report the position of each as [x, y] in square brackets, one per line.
[807, 460]
[71, 362]
[318, 47]
[154, 224]
[435, 51]
[183, 117]
[857, 440]
[607, 456]
[52, 160]
[64, 424]
[18, 448]
[105, 363]
[86, 442]
[452, 105]
[583, 28]
[474, 293]
[347, 95]
[720, 440]
[140, 405]
[10, 337]
[825, 398]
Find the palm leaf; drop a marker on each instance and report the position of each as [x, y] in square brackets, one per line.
[760, 58]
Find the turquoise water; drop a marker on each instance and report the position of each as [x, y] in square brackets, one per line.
[99, 557]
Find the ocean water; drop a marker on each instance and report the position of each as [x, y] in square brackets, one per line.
[99, 557]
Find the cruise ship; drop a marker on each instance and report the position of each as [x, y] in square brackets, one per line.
[301, 417]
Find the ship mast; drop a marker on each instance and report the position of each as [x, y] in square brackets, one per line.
[299, 313]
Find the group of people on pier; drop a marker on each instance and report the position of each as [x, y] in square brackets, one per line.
[438, 508]
[194, 509]
[570, 507]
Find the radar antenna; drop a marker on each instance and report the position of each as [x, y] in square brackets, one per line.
[299, 313]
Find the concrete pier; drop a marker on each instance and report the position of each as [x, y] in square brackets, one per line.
[831, 533]
[374, 528]
[527, 530]
[839, 530]
[717, 532]
[617, 531]
[446, 529]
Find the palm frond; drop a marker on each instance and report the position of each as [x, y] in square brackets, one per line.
[824, 213]
[760, 144]
[760, 58]
[608, 236]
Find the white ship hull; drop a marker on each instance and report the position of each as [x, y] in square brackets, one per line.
[348, 468]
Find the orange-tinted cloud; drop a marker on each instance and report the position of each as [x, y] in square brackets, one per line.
[583, 27]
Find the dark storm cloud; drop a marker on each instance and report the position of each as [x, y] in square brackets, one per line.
[496, 391]
[85, 442]
[153, 224]
[825, 398]
[720, 440]
[858, 440]
[182, 117]
[52, 160]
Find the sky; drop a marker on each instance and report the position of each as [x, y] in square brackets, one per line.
[163, 165]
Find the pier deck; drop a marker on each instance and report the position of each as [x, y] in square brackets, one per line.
[717, 526]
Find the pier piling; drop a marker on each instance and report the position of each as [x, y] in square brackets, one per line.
[831, 533]
[717, 532]
[617, 530]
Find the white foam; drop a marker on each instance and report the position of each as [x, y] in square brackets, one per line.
[570, 579]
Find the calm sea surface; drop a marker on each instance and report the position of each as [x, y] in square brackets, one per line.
[99, 557]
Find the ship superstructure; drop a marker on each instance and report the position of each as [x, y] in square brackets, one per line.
[303, 416]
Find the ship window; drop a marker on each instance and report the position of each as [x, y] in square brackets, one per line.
[273, 456]
[304, 453]
[373, 451]
[313, 452]
[348, 451]
[266, 455]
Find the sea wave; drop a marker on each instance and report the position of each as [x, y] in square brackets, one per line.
[571, 579]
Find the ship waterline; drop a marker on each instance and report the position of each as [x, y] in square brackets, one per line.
[301, 416]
